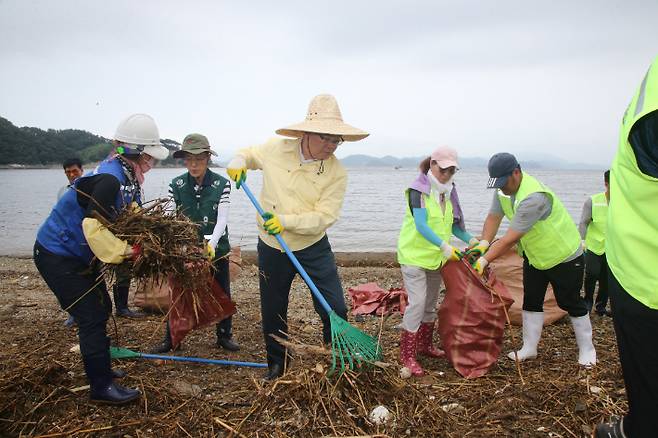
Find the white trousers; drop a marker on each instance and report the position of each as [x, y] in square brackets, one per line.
[422, 286]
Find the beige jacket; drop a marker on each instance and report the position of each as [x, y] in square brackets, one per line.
[307, 197]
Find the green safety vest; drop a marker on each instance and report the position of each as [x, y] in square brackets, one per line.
[201, 207]
[595, 236]
[550, 241]
[413, 248]
[631, 242]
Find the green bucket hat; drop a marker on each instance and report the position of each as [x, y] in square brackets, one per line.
[194, 144]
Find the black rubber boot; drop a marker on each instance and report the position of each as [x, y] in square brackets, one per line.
[120, 292]
[165, 346]
[102, 387]
[225, 340]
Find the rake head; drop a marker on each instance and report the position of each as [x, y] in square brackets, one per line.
[122, 353]
[350, 347]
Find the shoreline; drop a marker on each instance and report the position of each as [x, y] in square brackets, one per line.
[344, 259]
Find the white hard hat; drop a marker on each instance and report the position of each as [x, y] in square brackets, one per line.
[141, 130]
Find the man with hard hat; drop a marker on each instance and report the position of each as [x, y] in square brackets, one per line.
[631, 248]
[303, 189]
[72, 242]
[552, 252]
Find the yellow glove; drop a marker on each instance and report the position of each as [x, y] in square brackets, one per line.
[272, 224]
[135, 207]
[479, 249]
[105, 245]
[237, 170]
[450, 252]
[480, 264]
[210, 250]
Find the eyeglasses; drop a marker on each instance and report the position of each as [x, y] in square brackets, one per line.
[200, 158]
[334, 139]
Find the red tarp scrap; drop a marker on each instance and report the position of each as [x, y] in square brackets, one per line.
[215, 306]
[370, 299]
[471, 318]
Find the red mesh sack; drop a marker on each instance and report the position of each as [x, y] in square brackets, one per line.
[191, 309]
[370, 299]
[472, 318]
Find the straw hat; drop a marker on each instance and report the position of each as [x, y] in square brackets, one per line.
[323, 117]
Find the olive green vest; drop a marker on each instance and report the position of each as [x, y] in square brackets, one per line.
[595, 236]
[631, 241]
[550, 241]
[201, 207]
[413, 248]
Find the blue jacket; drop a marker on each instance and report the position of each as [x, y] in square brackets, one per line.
[62, 234]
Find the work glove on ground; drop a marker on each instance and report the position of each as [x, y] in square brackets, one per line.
[272, 224]
[237, 170]
[480, 264]
[450, 252]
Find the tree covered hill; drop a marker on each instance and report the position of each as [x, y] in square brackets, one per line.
[34, 146]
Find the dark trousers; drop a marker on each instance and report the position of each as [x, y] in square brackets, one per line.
[224, 328]
[69, 279]
[566, 279]
[121, 287]
[636, 327]
[596, 270]
[276, 273]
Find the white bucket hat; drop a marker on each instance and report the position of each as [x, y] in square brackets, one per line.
[324, 117]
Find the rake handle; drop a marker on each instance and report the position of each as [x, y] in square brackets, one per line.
[316, 293]
[202, 360]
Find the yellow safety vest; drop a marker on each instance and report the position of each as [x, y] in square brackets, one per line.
[632, 235]
[413, 248]
[550, 241]
[595, 236]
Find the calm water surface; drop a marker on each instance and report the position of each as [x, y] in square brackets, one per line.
[370, 220]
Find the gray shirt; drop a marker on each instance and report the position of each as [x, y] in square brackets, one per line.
[536, 207]
[585, 217]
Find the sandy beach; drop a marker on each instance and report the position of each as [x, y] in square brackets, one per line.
[40, 378]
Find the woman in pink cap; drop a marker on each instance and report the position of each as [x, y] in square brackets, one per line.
[432, 216]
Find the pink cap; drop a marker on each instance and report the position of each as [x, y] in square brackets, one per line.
[445, 157]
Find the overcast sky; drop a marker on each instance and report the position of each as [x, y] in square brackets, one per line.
[529, 77]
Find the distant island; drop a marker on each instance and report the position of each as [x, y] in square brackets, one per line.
[34, 147]
[528, 162]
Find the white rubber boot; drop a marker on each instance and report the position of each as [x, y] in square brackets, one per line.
[582, 327]
[533, 323]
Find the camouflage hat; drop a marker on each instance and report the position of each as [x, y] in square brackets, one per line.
[194, 144]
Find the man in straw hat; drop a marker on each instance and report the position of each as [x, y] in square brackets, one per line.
[303, 190]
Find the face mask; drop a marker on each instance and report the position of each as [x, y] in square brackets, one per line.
[438, 187]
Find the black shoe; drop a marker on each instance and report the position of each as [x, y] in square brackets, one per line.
[118, 374]
[274, 372]
[113, 394]
[614, 429]
[164, 347]
[228, 344]
[127, 313]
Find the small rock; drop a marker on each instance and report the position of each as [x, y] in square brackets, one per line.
[186, 388]
[75, 348]
[380, 415]
[580, 407]
[405, 373]
[594, 389]
[453, 408]
[319, 368]
[541, 429]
